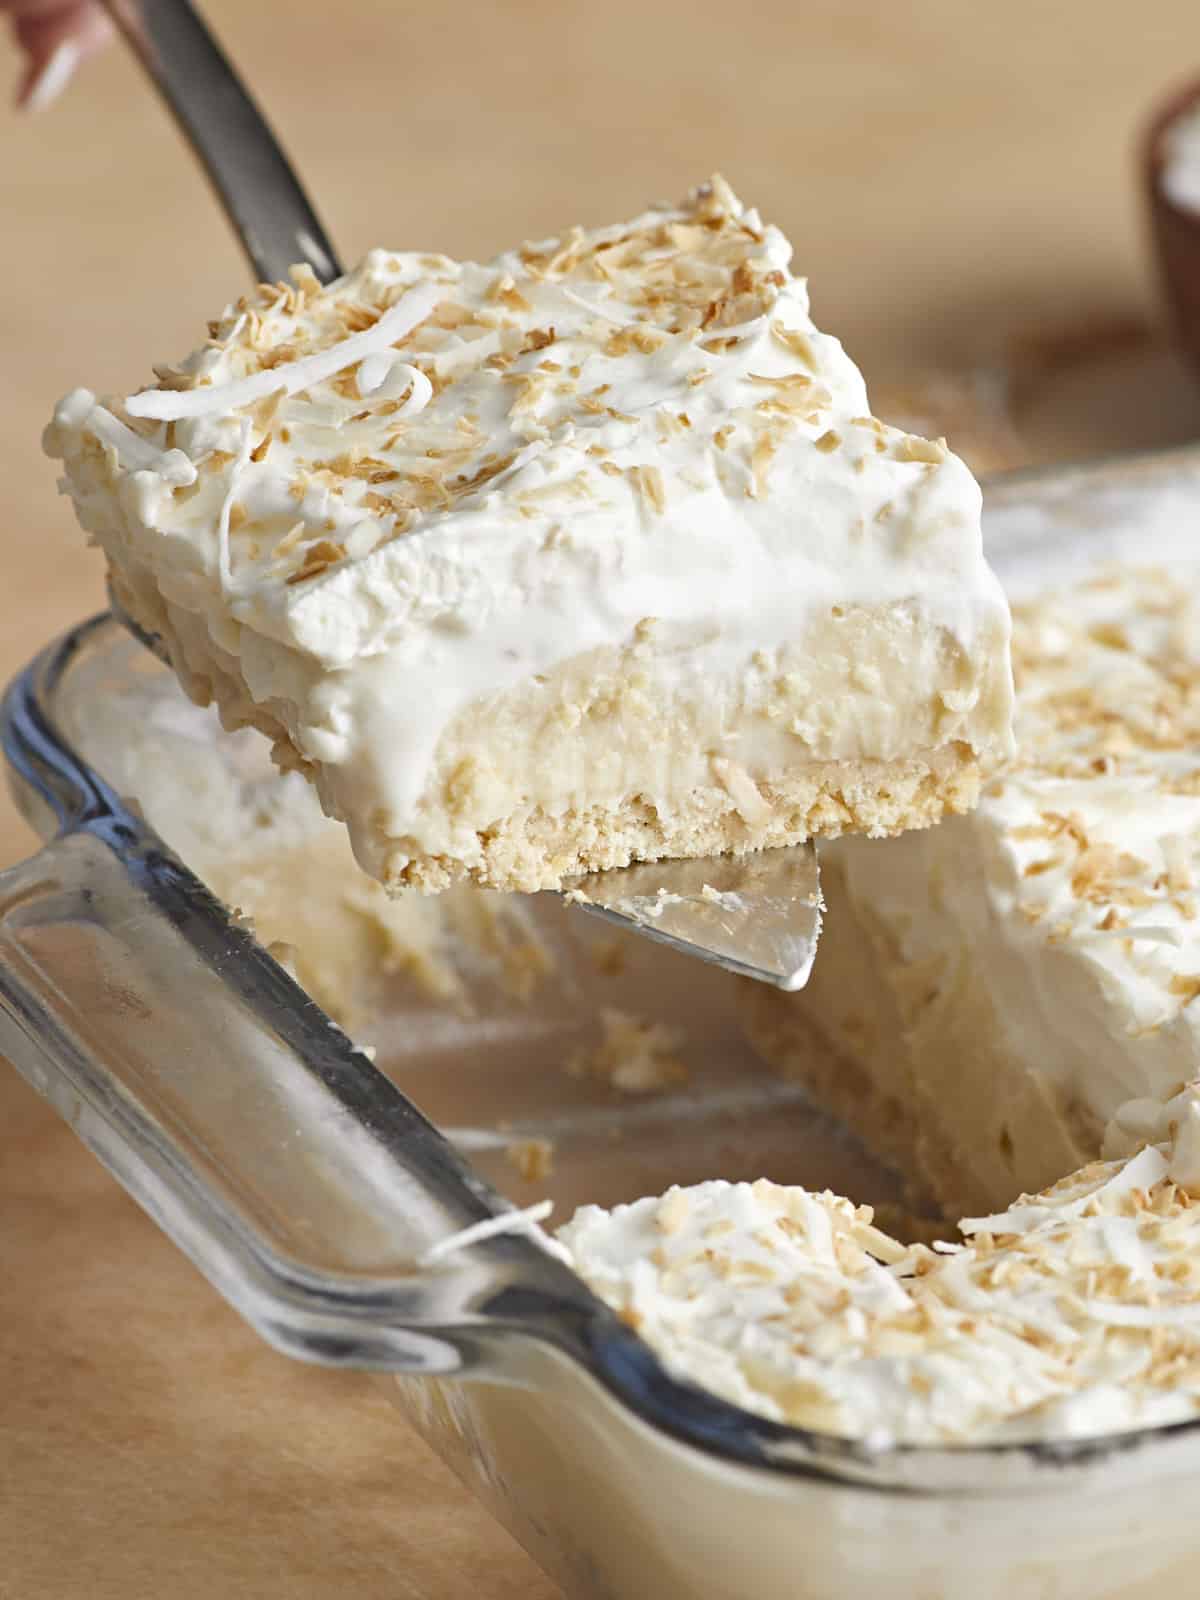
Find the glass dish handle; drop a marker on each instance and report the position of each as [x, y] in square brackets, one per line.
[294, 1173]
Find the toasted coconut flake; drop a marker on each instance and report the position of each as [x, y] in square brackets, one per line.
[796, 343]
[317, 559]
[911, 448]
[648, 481]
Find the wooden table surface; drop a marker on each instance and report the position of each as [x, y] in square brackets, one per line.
[953, 176]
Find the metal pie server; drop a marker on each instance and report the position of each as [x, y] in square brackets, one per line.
[757, 914]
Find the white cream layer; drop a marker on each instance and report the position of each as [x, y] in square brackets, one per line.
[369, 508]
[1075, 1313]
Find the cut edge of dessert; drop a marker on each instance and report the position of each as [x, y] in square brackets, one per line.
[589, 555]
[991, 992]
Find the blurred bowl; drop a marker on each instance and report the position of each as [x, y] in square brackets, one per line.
[1172, 175]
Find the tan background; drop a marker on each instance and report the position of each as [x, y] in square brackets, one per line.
[955, 175]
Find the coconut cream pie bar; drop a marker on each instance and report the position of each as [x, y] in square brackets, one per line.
[588, 554]
[993, 993]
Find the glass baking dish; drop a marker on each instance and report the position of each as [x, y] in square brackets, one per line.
[307, 1187]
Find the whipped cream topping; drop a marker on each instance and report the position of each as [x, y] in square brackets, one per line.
[1180, 176]
[1071, 896]
[1074, 1313]
[359, 510]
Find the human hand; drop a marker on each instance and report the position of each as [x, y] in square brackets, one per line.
[54, 36]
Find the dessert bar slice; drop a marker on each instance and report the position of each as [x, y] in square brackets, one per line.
[589, 554]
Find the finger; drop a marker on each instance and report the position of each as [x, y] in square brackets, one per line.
[56, 38]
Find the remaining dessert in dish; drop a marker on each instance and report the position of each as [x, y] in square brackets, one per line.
[991, 992]
[1075, 1312]
[590, 554]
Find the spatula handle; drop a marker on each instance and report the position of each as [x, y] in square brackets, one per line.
[254, 180]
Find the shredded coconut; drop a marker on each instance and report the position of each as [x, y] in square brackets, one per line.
[523, 1221]
[292, 378]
